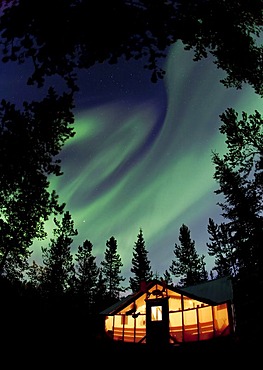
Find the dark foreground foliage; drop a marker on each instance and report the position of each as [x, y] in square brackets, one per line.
[36, 336]
[77, 349]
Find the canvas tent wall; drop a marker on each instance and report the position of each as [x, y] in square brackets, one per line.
[169, 314]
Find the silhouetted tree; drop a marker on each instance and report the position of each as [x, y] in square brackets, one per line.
[13, 256]
[228, 30]
[141, 266]
[86, 276]
[29, 142]
[111, 270]
[34, 295]
[187, 265]
[240, 177]
[68, 43]
[35, 274]
[203, 271]
[221, 249]
[239, 174]
[167, 277]
[100, 296]
[59, 271]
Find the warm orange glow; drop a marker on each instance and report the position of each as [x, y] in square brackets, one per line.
[156, 313]
[189, 319]
[175, 302]
[192, 303]
[206, 326]
[176, 328]
[190, 325]
[221, 319]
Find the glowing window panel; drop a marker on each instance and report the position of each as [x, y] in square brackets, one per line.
[156, 313]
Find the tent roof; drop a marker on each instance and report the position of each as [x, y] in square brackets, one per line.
[213, 292]
[217, 290]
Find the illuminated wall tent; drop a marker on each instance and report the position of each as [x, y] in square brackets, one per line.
[164, 314]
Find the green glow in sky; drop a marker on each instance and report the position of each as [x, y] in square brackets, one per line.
[145, 165]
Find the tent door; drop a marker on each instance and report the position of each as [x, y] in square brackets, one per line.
[157, 321]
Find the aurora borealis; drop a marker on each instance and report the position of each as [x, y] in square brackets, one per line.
[141, 156]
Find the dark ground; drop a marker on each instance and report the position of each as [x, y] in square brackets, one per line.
[57, 342]
[48, 351]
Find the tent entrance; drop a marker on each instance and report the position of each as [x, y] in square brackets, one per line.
[157, 321]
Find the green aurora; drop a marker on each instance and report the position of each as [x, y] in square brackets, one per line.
[144, 159]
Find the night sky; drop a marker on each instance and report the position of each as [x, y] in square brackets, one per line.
[141, 157]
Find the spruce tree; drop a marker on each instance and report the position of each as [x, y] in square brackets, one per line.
[141, 267]
[86, 276]
[221, 249]
[44, 127]
[111, 270]
[167, 277]
[101, 296]
[187, 265]
[35, 276]
[239, 175]
[59, 271]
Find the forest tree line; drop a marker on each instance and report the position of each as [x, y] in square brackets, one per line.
[33, 135]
